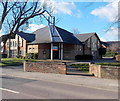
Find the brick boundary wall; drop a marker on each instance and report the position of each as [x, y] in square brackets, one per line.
[45, 67]
[110, 72]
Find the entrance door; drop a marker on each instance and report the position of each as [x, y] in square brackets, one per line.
[55, 51]
[55, 54]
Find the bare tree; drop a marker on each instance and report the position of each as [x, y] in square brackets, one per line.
[75, 31]
[16, 16]
[21, 13]
[6, 9]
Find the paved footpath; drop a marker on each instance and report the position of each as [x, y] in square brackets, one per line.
[85, 81]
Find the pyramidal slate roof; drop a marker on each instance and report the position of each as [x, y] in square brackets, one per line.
[85, 36]
[52, 34]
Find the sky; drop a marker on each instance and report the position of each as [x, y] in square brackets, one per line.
[86, 17]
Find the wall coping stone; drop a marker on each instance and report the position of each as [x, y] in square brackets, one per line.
[105, 66]
[47, 62]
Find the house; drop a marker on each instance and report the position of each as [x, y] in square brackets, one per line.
[91, 44]
[16, 45]
[52, 42]
[114, 46]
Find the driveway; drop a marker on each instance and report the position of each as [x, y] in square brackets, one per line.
[107, 60]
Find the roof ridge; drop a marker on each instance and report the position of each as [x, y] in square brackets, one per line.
[58, 34]
[40, 28]
[50, 33]
[86, 33]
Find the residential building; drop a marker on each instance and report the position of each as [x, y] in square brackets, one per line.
[91, 44]
[114, 46]
[16, 46]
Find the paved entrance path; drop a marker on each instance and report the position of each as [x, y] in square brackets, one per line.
[86, 81]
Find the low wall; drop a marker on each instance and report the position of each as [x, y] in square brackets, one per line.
[111, 72]
[45, 67]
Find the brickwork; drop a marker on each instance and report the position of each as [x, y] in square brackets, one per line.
[45, 67]
[70, 51]
[44, 51]
[111, 72]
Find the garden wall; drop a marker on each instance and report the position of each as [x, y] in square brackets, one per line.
[111, 72]
[45, 67]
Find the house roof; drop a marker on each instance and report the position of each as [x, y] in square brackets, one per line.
[42, 35]
[113, 42]
[85, 36]
[105, 43]
[51, 34]
[27, 36]
[5, 37]
[67, 37]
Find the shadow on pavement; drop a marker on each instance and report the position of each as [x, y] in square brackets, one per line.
[80, 74]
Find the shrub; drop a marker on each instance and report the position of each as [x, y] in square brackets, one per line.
[110, 54]
[18, 56]
[29, 56]
[12, 61]
[102, 51]
[32, 55]
[35, 55]
[83, 57]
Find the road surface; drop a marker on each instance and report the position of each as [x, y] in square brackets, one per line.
[21, 88]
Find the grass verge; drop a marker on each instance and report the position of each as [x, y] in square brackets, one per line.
[109, 64]
[85, 67]
[13, 61]
[81, 67]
